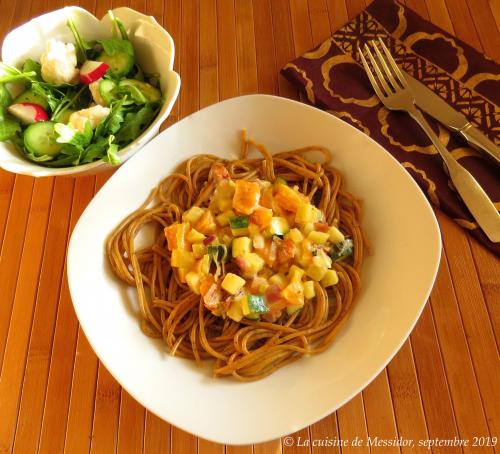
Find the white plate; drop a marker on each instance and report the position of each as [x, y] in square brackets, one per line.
[396, 280]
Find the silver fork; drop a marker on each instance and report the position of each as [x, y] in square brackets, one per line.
[393, 90]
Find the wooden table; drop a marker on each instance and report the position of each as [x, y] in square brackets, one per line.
[55, 396]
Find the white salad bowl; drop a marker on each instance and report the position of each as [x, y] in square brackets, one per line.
[396, 279]
[154, 53]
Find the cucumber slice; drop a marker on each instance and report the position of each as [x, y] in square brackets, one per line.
[151, 93]
[120, 63]
[63, 117]
[106, 88]
[32, 96]
[40, 139]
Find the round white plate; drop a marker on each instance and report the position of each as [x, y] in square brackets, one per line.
[396, 280]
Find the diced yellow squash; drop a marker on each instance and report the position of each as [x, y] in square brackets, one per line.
[253, 229]
[278, 279]
[305, 214]
[193, 215]
[223, 219]
[245, 309]
[182, 272]
[294, 308]
[206, 224]
[335, 235]
[330, 278]
[318, 237]
[195, 237]
[182, 259]
[295, 273]
[278, 226]
[224, 204]
[241, 245]
[308, 228]
[316, 272]
[309, 291]
[254, 262]
[199, 250]
[322, 259]
[240, 232]
[193, 281]
[232, 283]
[295, 235]
[234, 312]
[203, 265]
[293, 293]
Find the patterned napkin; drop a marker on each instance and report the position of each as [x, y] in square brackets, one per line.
[332, 78]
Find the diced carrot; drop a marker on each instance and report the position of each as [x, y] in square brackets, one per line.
[176, 236]
[246, 196]
[285, 250]
[266, 199]
[321, 227]
[262, 217]
[287, 199]
[209, 292]
[294, 293]
[206, 224]
[275, 311]
[268, 253]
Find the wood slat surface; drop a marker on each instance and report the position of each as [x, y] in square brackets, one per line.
[56, 397]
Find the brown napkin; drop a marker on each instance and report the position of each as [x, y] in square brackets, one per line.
[332, 78]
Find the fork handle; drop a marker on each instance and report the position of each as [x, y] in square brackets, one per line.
[473, 195]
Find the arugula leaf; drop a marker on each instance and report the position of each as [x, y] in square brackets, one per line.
[134, 124]
[8, 129]
[113, 45]
[31, 65]
[134, 93]
[5, 96]
[11, 73]
[68, 135]
[117, 24]
[82, 45]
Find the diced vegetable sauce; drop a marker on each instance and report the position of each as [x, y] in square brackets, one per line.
[273, 241]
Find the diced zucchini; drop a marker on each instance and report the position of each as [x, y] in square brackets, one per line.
[195, 237]
[182, 259]
[342, 250]
[218, 252]
[278, 226]
[254, 262]
[316, 272]
[193, 281]
[309, 291]
[278, 279]
[239, 222]
[335, 235]
[295, 235]
[223, 219]
[199, 250]
[253, 305]
[234, 312]
[241, 246]
[305, 214]
[281, 180]
[330, 278]
[204, 264]
[232, 283]
[318, 237]
[193, 215]
[294, 293]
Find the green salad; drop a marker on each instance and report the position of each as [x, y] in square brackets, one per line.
[80, 103]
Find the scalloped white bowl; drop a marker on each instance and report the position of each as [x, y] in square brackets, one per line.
[154, 52]
[396, 280]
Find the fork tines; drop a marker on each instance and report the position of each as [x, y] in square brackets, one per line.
[385, 82]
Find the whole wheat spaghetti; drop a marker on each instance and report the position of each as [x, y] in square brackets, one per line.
[281, 326]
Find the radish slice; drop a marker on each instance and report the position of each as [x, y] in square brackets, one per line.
[92, 71]
[28, 112]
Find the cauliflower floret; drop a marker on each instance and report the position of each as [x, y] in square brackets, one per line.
[93, 114]
[59, 63]
[96, 93]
